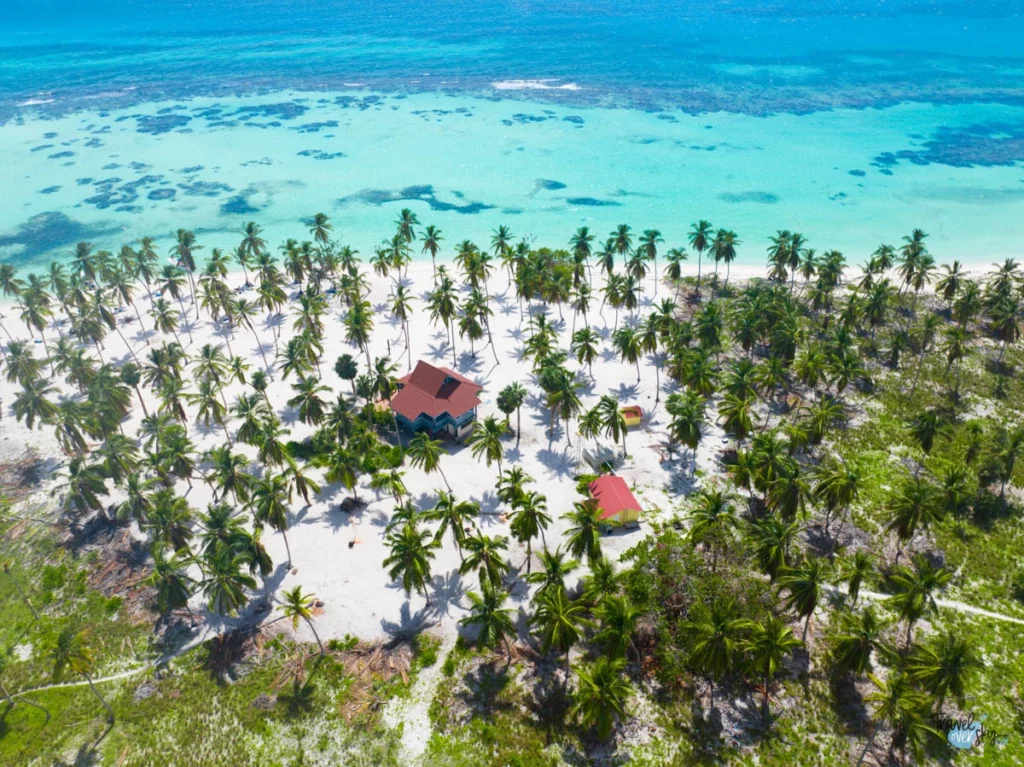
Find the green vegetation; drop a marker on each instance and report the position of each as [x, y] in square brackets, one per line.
[802, 610]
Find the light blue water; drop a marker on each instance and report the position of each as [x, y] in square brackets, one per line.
[131, 118]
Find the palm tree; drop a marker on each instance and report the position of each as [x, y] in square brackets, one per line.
[71, 652]
[529, 519]
[559, 622]
[770, 538]
[804, 584]
[584, 347]
[618, 619]
[924, 429]
[623, 240]
[510, 399]
[837, 487]
[584, 536]
[627, 341]
[904, 709]
[601, 695]
[713, 521]
[858, 569]
[347, 370]
[425, 453]
[298, 606]
[734, 416]
[956, 348]
[452, 515]
[859, 636]
[224, 583]
[431, 240]
[269, 504]
[688, 422]
[170, 578]
[307, 399]
[490, 617]
[717, 635]
[613, 420]
[913, 590]
[485, 556]
[914, 508]
[320, 227]
[769, 643]
[700, 238]
[485, 440]
[944, 666]
[555, 568]
[32, 403]
[410, 557]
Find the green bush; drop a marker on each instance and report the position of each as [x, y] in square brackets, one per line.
[1017, 586]
[54, 577]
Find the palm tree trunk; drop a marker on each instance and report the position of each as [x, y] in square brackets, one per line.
[287, 548]
[441, 472]
[317, 636]
[95, 692]
[867, 746]
[21, 592]
[125, 340]
[139, 316]
[764, 702]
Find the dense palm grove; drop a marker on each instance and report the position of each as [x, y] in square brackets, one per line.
[727, 597]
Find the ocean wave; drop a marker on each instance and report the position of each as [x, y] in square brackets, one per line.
[533, 85]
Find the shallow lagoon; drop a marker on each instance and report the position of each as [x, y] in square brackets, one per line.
[847, 179]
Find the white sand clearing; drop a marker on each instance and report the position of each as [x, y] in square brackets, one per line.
[358, 597]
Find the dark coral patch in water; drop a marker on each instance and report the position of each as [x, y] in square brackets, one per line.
[238, 205]
[112, 193]
[573, 119]
[41, 147]
[549, 185]
[50, 135]
[763, 198]
[60, 155]
[162, 194]
[418, 193]
[49, 231]
[984, 144]
[204, 188]
[49, 190]
[524, 119]
[319, 154]
[161, 123]
[592, 202]
[286, 110]
[857, 173]
[315, 127]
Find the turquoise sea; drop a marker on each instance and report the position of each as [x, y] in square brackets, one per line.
[851, 122]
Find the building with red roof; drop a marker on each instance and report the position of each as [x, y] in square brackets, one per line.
[436, 399]
[614, 501]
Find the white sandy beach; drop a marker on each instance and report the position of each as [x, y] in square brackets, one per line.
[358, 597]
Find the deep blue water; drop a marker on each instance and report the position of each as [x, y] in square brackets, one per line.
[753, 56]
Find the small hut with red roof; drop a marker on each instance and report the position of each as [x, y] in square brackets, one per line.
[438, 400]
[614, 501]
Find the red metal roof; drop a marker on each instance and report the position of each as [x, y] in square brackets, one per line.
[612, 496]
[434, 391]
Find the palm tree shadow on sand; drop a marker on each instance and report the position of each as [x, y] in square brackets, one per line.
[409, 624]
